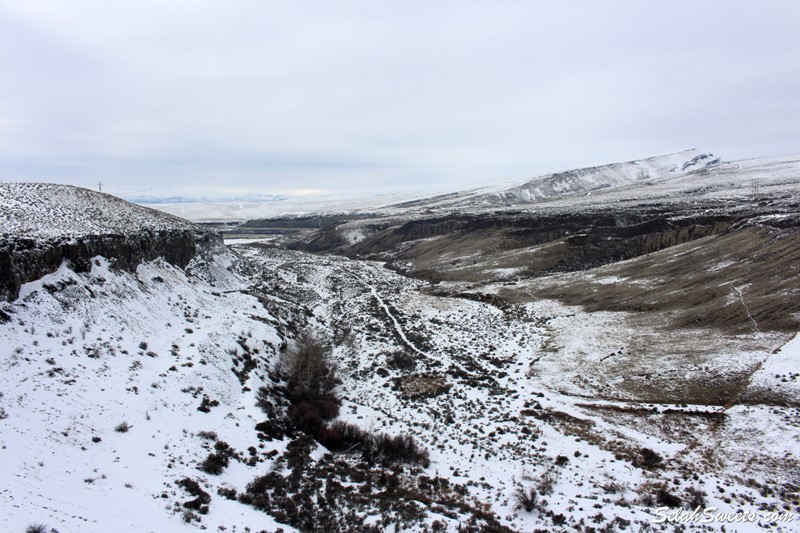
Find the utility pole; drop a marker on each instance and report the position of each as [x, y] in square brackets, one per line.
[100, 186]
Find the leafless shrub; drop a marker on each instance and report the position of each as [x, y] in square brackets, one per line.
[526, 498]
[308, 366]
[401, 360]
[208, 435]
[697, 498]
[216, 461]
[648, 459]
[666, 498]
[400, 448]
[612, 487]
[546, 482]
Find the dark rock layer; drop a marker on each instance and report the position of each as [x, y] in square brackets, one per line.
[24, 259]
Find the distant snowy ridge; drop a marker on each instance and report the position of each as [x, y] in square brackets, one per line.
[159, 200]
[613, 175]
[579, 182]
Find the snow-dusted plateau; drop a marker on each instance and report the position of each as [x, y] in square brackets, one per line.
[603, 349]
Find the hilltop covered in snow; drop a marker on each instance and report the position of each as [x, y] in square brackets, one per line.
[47, 210]
[575, 182]
[44, 224]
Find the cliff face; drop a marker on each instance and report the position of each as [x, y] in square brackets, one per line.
[24, 259]
[590, 239]
[44, 225]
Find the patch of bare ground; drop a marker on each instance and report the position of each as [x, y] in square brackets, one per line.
[690, 426]
[641, 357]
[422, 386]
[587, 430]
[697, 319]
[742, 281]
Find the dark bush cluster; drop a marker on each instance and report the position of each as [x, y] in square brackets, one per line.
[248, 362]
[206, 404]
[648, 458]
[264, 397]
[335, 495]
[201, 497]
[272, 429]
[308, 368]
[216, 461]
[400, 448]
[401, 361]
[227, 493]
[697, 498]
[342, 437]
[310, 382]
[208, 435]
[39, 528]
[666, 498]
[308, 410]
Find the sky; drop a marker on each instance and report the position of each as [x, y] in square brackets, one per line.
[307, 97]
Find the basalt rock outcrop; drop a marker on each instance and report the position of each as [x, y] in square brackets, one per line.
[25, 259]
[46, 225]
[569, 241]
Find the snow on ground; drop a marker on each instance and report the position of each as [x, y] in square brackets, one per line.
[48, 210]
[244, 240]
[505, 398]
[780, 373]
[86, 356]
[502, 397]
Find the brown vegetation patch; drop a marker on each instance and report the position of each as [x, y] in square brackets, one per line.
[744, 280]
[423, 386]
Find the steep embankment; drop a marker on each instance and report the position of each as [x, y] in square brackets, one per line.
[132, 353]
[118, 386]
[156, 398]
[45, 224]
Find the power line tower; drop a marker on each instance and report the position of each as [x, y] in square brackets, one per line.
[754, 190]
[99, 186]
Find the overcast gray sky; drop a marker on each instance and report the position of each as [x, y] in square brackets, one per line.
[381, 96]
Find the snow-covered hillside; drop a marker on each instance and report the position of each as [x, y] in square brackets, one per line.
[45, 224]
[535, 397]
[104, 374]
[585, 180]
[685, 176]
[49, 210]
[143, 393]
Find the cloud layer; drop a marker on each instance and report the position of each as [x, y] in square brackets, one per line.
[362, 96]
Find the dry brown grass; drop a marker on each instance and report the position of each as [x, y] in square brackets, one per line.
[424, 386]
[718, 282]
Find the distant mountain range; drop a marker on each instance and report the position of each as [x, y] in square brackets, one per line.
[577, 182]
[156, 200]
[568, 185]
